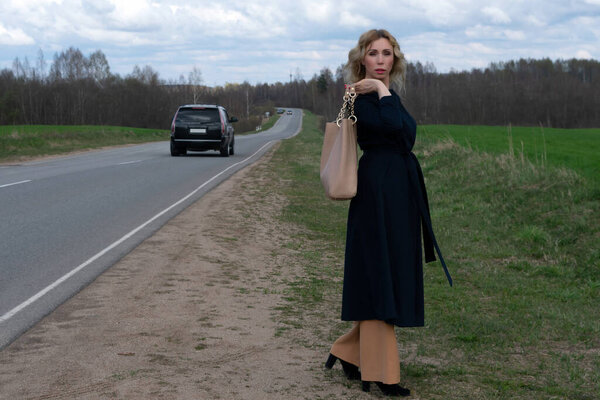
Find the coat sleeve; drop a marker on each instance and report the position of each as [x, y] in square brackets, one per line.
[387, 117]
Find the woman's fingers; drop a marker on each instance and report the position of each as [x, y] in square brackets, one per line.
[358, 87]
[367, 86]
[364, 86]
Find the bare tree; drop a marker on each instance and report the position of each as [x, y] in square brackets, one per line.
[195, 80]
[98, 67]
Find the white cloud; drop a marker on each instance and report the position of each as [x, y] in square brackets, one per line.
[481, 31]
[440, 12]
[583, 53]
[354, 20]
[14, 37]
[98, 6]
[320, 11]
[535, 21]
[476, 47]
[514, 35]
[496, 15]
[489, 32]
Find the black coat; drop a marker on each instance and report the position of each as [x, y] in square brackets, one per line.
[383, 271]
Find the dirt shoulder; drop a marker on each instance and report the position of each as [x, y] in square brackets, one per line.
[189, 314]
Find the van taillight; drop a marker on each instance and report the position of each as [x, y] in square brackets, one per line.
[173, 123]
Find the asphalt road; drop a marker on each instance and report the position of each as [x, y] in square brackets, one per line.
[66, 220]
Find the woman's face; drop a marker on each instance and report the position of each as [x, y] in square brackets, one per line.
[379, 60]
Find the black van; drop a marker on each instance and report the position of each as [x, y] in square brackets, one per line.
[201, 127]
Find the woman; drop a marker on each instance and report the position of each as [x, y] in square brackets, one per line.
[383, 271]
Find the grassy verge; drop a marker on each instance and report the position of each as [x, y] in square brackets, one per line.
[267, 125]
[23, 141]
[522, 243]
[18, 141]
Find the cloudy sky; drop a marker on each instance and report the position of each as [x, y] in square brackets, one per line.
[265, 41]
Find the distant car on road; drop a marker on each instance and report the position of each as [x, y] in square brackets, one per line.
[289, 112]
[280, 111]
[201, 127]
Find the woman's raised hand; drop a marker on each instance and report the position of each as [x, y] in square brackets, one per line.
[370, 85]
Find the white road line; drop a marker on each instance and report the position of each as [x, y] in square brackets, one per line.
[129, 162]
[14, 183]
[56, 283]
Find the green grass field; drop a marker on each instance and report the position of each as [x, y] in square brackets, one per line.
[522, 242]
[578, 149]
[22, 141]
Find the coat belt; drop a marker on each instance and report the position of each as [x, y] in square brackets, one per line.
[429, 242]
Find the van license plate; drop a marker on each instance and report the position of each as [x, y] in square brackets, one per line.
[201, 130]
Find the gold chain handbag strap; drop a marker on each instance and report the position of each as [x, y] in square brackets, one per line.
[348, 107]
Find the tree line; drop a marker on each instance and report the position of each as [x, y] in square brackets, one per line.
[79, 90]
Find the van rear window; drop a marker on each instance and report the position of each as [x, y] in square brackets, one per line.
[190, 115]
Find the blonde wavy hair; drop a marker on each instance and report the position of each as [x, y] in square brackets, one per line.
[354, 70]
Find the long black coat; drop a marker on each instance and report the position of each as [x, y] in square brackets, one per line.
[383, 271]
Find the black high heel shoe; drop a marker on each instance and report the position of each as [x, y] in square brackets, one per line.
[388, 390]
[350, 370]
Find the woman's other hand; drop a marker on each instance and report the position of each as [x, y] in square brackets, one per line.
[371, 85]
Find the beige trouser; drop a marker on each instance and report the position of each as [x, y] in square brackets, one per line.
[371, 345]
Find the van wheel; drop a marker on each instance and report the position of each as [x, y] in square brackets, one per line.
[231, 147]
[174, 150]
[224, 151]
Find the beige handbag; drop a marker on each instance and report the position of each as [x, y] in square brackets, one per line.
[339, 156]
